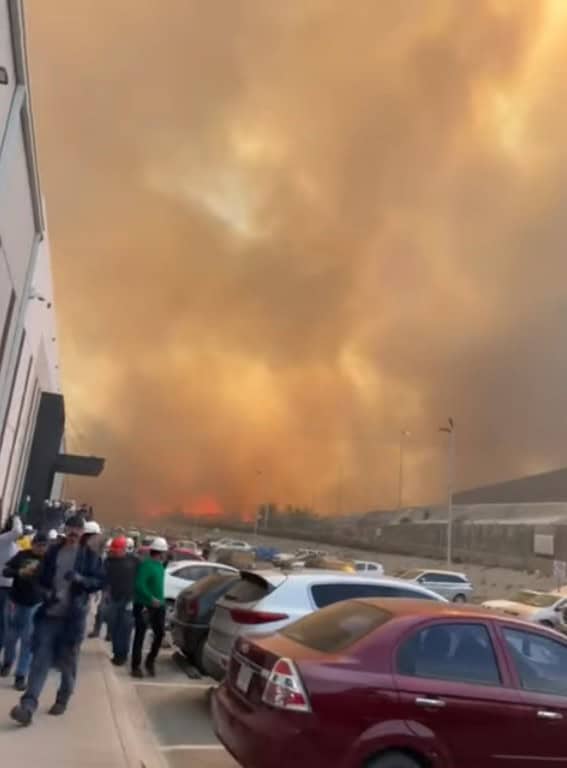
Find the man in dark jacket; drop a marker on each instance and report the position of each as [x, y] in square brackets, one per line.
[25, 597]
[120, 580]
[69, 574]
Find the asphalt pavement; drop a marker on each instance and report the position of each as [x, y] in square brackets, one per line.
[177, 709]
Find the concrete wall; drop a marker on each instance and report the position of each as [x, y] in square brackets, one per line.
[491, 544]
[28, 363]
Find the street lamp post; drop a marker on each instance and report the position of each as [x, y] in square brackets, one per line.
[403, 434]
[450, 430]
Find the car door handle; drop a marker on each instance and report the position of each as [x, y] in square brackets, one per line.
[430, 703]
[547, 714]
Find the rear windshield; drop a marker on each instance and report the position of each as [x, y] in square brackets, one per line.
[248, 589]
[337, 627]
[210, 583]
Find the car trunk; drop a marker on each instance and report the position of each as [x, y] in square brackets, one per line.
[239, 601]
[252, 662]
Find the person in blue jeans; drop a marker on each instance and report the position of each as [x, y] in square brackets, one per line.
[25, 597]
[120, 579]
[69, 573]
[8, 548]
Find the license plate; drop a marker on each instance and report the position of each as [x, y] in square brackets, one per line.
[243, 678]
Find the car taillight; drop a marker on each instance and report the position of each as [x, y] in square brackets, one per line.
[284, 689]
[242, 616]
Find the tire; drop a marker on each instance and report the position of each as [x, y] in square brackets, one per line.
[460, 599]
[394, 760]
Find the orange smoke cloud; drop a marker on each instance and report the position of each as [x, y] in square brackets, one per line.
[283, 232]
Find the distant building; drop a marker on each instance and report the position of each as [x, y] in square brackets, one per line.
[547, 487]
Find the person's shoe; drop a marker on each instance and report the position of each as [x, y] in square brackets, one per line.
[5, 670]
[150, 669]
[137, 672]
[20, 683]
[21, 715]
[117, 661]
[57, 709]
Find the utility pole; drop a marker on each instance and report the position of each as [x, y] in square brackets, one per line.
[403, 434]
[259, 474]
[450, 430]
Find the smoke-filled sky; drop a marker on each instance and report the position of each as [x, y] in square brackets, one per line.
[285, 231]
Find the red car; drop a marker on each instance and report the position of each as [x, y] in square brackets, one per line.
[397, 684]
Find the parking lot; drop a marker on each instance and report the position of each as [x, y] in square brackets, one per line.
[177, 709]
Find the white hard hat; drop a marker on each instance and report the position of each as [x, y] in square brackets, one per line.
[159, 544]
[52, 535]
[91, 526]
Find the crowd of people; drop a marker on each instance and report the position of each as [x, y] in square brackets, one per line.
[48, 583]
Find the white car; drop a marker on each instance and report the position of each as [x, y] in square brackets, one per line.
[530, 605]
[183, 573]
[369, 568]
[262, 602]
[242, 546]
[452, 585]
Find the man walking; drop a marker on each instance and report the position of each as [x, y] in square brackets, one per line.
[120, 581]
[8, 548]
[149, 607]
[69, 574]
[25, 597]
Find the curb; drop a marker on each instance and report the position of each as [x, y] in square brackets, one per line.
[140, 747]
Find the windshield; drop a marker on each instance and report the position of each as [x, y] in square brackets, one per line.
[536, 599]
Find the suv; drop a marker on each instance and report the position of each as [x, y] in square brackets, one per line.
[455, 587]
[261, 602]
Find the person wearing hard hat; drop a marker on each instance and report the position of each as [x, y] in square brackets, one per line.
[25, 541]
[149, 606]
[25, 597]
[70, 572]
[120, 581]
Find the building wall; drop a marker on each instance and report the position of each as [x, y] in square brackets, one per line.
[28, 339]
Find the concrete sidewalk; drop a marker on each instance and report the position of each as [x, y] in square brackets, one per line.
[105, 725]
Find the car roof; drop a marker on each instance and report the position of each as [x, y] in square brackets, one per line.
[198, 563]
[440, 571]
[402, 607]
[313, 575]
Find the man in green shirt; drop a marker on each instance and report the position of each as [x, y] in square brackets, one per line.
[149, 607]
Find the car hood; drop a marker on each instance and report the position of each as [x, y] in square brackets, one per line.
[512, 608]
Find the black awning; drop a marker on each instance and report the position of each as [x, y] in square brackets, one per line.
[87, 466]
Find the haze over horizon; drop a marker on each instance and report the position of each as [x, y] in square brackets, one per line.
[284, 232]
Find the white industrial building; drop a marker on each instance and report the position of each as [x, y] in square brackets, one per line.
[31, 406]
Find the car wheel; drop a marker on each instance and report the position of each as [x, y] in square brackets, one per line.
[460, 599]
[394, 760]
